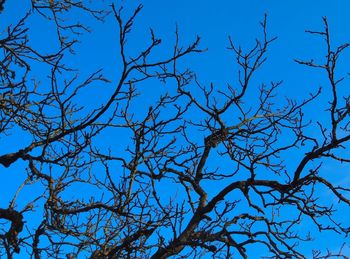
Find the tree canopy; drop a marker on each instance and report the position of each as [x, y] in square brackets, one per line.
[157, 161]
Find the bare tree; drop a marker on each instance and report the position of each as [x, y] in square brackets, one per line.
[195, 170]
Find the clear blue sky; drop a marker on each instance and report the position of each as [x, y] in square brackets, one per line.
[213, 21]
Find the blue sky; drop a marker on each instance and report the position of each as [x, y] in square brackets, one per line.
[214, 22]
